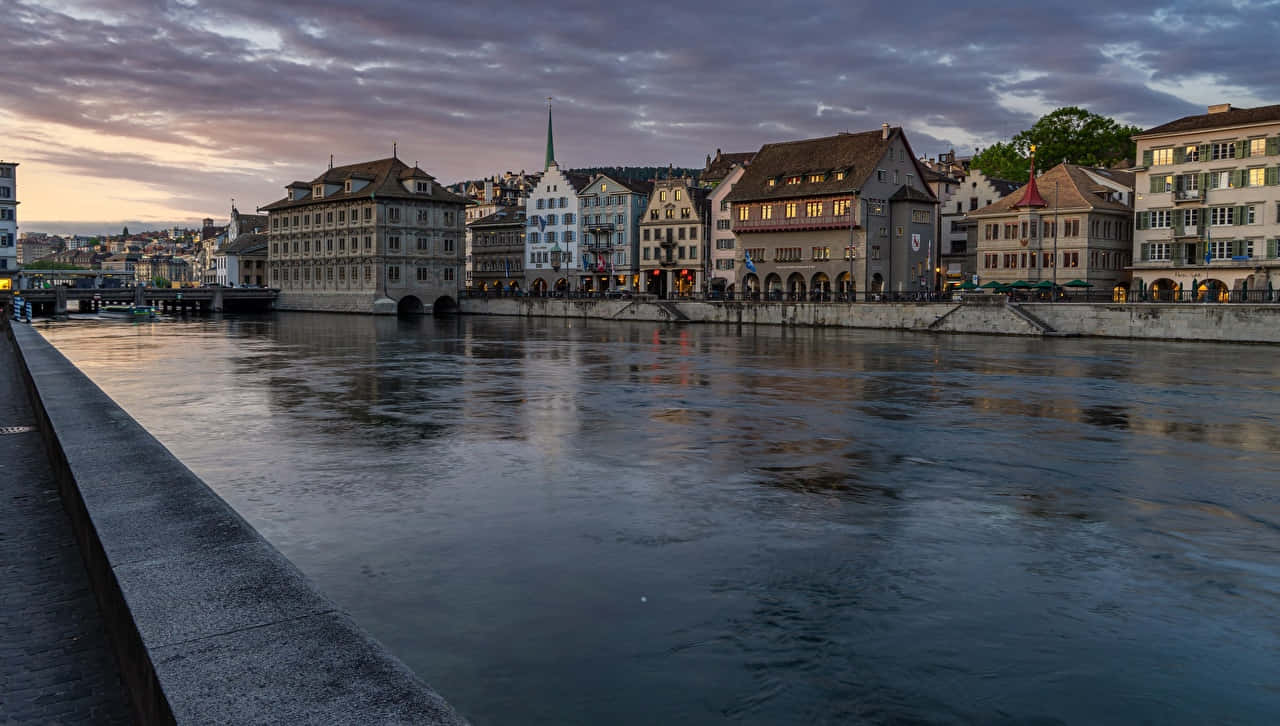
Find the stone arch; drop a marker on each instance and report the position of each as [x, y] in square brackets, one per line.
[444, 305]
[751, 283]
[409, 305]
[773, 284]
[562, 285]
[538, 286]
[1163, 290]
[796, 285]
[877, 283]
[1213, 291]
[844, 285]
[820, 284]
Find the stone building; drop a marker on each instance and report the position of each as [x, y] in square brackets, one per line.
[610, 231]
[1208, 206]
[497, 250]
[1071, 222]
[376, 237]
[960, 189]
[243, 262]
[8, 216]
[719, 176]
[834, 215]
[673, 239]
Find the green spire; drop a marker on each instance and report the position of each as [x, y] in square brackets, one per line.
[551, 146]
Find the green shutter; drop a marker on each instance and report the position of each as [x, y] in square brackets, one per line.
[1179, 155]
[1237, 178]
[1146, 252]
[1143, 219]
[1205, 151]
[1242, 149]
[1177, 222]
[1273, 175]
[1271, 247]
[1157, 184]
[1200, 250]
[1146, 158]
[1204, 181]
[1273, 146]
[1241, 215]
[1237, 247]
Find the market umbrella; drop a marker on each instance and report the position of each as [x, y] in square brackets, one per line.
[967, 285]
[1021, 284]
[1044, 284]
[992, 285]
[1078, 283]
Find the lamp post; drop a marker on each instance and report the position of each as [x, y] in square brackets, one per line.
[1053, 294]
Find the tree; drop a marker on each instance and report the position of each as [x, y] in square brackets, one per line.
[160, 281]
[1069, 134]
[125, 233]
[51, 265]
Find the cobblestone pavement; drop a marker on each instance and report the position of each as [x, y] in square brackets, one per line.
[55, 665]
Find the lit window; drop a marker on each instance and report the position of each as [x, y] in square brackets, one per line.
[1258, 176]
[766, 211]
[1257, 147]
[839, 176]
[677, 195]
[814, 178]
[792, 208]
[791, 180]
[1161, 156]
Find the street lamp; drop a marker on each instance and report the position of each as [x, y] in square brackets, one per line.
[1053, 294]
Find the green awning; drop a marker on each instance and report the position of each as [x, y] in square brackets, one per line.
[1044, 284]
[967, 285]
[992, 285]
[1078, 283]
[1021, 284]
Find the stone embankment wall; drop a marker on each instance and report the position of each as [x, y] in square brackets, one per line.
[986, 315]
[210, 623]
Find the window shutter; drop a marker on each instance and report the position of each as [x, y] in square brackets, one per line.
[1237, 178]
[1177, 222]
[1235, 247]
[1273, 175]
[1146, 158]
[1146, 252]
[1200, 250]
[1179, 155]
[1242, 215]
[1271, 247]
[1205, 151]
[1273, 146]
[1242, 149]
[1157, 184]
[1143, 218]
[1204, 180]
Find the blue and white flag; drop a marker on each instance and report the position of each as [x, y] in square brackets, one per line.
[542, 223]
[746, 260]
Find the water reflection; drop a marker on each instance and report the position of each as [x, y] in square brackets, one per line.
[562, 521]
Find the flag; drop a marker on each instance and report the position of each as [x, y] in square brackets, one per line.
[542, 223]
[508, 266]
[746, 260]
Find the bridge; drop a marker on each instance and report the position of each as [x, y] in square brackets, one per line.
[58, 300]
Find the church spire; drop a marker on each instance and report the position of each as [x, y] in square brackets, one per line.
[551, 146]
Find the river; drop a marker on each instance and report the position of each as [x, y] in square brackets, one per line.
[579, 522]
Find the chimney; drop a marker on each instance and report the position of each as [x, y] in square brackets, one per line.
[1220, 108]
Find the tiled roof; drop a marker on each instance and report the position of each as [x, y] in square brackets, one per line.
[386, 175]
[854, 154]
[1065, 186]
[910, 194]
[1204, 121]
[722, 164]
[246, 244]
[503, 216]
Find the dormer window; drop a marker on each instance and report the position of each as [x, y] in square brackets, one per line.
[814, 178]
[793, 180]
[773, 182]
[317, 191]
[346, 186]
[423, 187]
[839, 176]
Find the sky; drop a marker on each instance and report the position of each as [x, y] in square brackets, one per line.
[160, 112]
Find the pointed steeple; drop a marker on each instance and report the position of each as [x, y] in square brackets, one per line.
[551, 145]
[1030, 194]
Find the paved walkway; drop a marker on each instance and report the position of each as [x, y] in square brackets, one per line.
[55, 666]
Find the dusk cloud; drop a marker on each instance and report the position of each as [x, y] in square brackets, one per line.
[175, 106]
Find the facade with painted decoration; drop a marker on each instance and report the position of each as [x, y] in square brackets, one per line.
[610, 232]
[552, 263]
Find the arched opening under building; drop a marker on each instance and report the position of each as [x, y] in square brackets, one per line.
[773, 286]
[409, 305]
[444, 305]
[877, 283]
[539, 287]
[821, 286]
[1213, 291]
[562, 285]
[1163, 290]
[844, 285]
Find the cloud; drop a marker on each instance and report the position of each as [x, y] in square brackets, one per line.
[194, 103]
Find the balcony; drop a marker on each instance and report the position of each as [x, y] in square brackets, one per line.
[598, 226]
[1187, 195]
[794, 224]
[597, 246]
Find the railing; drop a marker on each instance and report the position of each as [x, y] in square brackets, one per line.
[768, 225]
[1187, 195]
[778, 296]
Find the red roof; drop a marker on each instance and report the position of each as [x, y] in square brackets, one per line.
[1030, 195]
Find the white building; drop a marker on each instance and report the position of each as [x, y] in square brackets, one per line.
[8, 215]
[552, 262]
[610, 232]
[720, 174]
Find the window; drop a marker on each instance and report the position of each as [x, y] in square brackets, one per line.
[815, 178]
[646, 252]
[839, 176]
[725, 243]
[448, 244]
[681, 233]
[662, 195]
[1220, 249]
[1220, 216]
[685, 213]
[328, 245]
[368, 213]
[423, 244]
[670, 214]
[840, 207]
[1251, 215]
[424, 274]
[792, 180]
[882, 175]
[772, 182]
[766, 211]
[875, 252]
[744, 214]
[821, 253]
[722, 224]
[393, 273]
[393, 243]
[1223, 150]
[448, 273]
[1257, 147]
[1161, 156]
[676, 195]
[920, 216]
[368, 242]
[1191, 217]
[791, 210]
[693, 252]
[1161, 218]
[813, 209]
[1257, 176]
[1191, 153]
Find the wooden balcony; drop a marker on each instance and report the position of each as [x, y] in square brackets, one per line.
[794, 224]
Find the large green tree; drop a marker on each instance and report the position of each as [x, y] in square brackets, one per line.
[1069, 134]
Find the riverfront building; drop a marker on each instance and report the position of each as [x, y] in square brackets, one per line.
[960, 189]
[673, 239]
[8, 216]
[1208, 206]
[839, 214]
[497, 250]
[1072, 220]
[551, 214]
[375, 237]
[610, 231]
[719, 176]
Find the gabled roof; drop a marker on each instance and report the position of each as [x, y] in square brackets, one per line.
[246, 244]
[1065, 186]
[855, 154]
[384, 177]
[1205, 121]
[720, 166]
[639, 187]
[911, 194]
